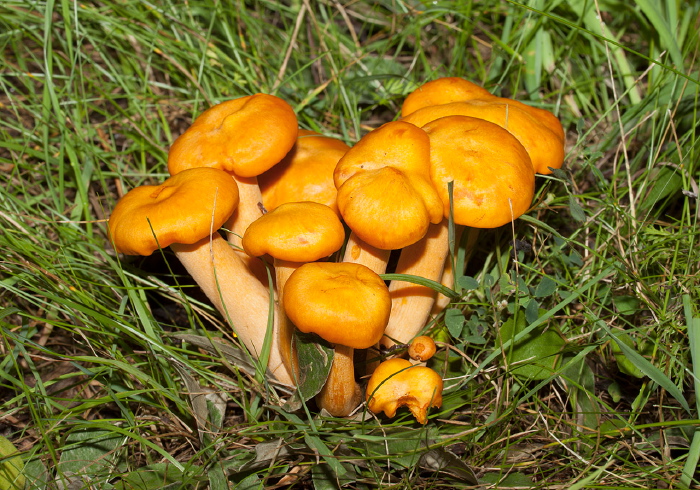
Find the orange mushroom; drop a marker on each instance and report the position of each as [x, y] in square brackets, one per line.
[538, 130]
[398, 383]
[493, 183]
[442, 91]
[347, 305]
[385, 194]
[184, 213]
[245, 137]
[305, 173]
[293, 233]
[422, 348]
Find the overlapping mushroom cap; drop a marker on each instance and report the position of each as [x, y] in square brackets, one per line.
[305, 173]
[492, 173]
[245, 136]
[442, 91]
[539, 131]
[295, 232]
[183, 209]
[397, 383]
[384, 190]
[343, 303]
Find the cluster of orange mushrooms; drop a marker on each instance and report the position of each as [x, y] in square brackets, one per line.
[282, 193]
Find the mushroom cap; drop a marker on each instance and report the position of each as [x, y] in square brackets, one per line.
[539, 131]
[344, 303]
[493, 178]
[422, 348]
[245, 136]
[397, 383]
[384, 190]
[183, 209]
[295, 232]
[384, 207]
[305, 173]
[442, 91]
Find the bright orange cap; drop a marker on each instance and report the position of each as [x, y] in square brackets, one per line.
[422, 348]
[343, 303]
[384, 190]
[397, 383]
[442, 91]
[183, 209]
[305, 174]
[245, 136]
[492, 173]
[296, 232]
[539, 131]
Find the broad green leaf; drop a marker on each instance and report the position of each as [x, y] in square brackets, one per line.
[315, 361]
[580, 385]
[512, 480]
[440, 460]
[454, 320]
[90, 452]
[36, 474]
[576, 210]
[546, 287]
[467, 283]
[535, 356]
[11, 466]
[156, 476]
[325, 479]
[626, 305]
[623, 363]
[647, 368]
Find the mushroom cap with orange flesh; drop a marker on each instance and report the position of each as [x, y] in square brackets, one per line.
[442, 91]
[305, 173]
[538, 130]
[245, 136]
[398, 383]
[343, 303]
[385, 194]
[422, 348]
[492, 173]
[183, 209]
[295, 232]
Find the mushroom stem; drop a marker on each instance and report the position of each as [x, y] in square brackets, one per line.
[285, 328]
[341, 394]
[448, 275]
[247, 211]
[235, 292]
[411, 303]
[358, 251]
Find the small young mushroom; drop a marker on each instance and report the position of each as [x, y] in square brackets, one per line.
[422, 348]
[345, 304]
[398, 383]
[292, 234]
[184, 213]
